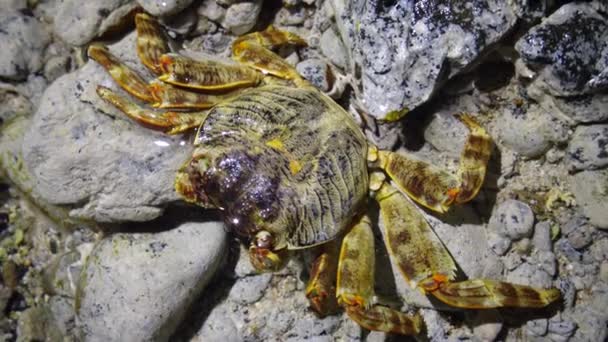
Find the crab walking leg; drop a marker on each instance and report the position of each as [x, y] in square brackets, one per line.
[473, 160]
[128, 79]
[487, 293]
[151, 42]
[170, 122]
[321, 288]
[410, 240]
[425, 262]
[169, 96]
[206, 75]
[254, 50]
[433, 187]
[355, 285]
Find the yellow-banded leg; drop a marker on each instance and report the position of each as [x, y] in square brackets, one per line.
[433, 187]
[321, 288]
[169, 122]
[355, 285]
[427, 265]
[151, 42]
[254, 49]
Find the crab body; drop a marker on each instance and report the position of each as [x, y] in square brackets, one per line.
[291, 169]
[273, 160]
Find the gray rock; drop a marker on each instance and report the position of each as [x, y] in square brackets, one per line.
[561, 327]
[105, 167]
[525, 130]
[487, 324]
[55, 67]
[599, 250]
[542, 236]
[569, 50]
[405, 50]
[14, 102]
[23, 40]
[332, 47]
[513, 219]
[446, 133]
[212, 11]
[250, 289]
[291, 16]
[564, 247]
[241, 17]
[498, 243]
[589, 189]
[164, 7]
[588, 149]
[531, 275]
[316, 72]
[584, 108]
[218, 327]
[547, 261]
[537, 327]
[77, 23]
[139, 286]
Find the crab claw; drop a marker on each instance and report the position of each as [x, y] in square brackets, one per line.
[261, 255]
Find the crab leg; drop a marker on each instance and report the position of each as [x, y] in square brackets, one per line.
[254, 50]
[170, 122]
[355, 285]
[168, 96]
[426, 264]
[151, 42]
[127, 78]
[321, 288]
[437, 189]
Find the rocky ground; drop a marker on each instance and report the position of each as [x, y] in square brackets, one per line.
[95, 244]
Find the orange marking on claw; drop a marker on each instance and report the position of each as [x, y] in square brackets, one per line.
[165, 61]
[452, 193]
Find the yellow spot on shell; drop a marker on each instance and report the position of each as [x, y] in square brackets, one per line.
[276, 143]
[295, 166]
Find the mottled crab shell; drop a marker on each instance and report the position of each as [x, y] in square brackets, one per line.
[286, 160]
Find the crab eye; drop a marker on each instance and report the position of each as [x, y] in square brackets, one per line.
[263, 239]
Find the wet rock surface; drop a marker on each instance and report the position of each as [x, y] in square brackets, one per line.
[75, 173]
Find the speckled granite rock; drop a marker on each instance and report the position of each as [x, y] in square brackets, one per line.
[23, 40]
[406, 50]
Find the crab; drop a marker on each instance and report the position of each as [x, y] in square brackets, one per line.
[291, 169]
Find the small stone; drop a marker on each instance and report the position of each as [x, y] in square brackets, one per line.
[537, 327]
[164, 7]
[446, 133]
[513, 219]
[291, 16]
[498, 243]
[547, 262]
[581, 237]
[241, 17]
[333, 48]
[250, 289]
[525, 130]
[487, 324]
[182, 24]
[542, 236]
[513, 260]
[564, 247]
[531, 275]
[55, 67]
[588, 149]
[212, 11]
[218, 327]
[604, 272]
[316, 72]
[599, 250]
[562, 327]
[589, 189]
[23, 40]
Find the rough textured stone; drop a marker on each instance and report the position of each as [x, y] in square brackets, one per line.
[333, 48]
[513, 219]
[139, 286]
[589, 189]
[163, 7]
[109, 168]
[569, 49]
[250, 289]
[23, 40]
[405, 50]
[242, 16]
[79, 22]
[588, 149]
[316, 72]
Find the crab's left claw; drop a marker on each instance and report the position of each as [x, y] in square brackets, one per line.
[263, 257]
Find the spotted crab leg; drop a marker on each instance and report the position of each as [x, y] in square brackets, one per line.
[151, 42]
[432, 187]
[355, 285]
[170, 122]
[254, 49]
[427, 265]
[321, 288]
